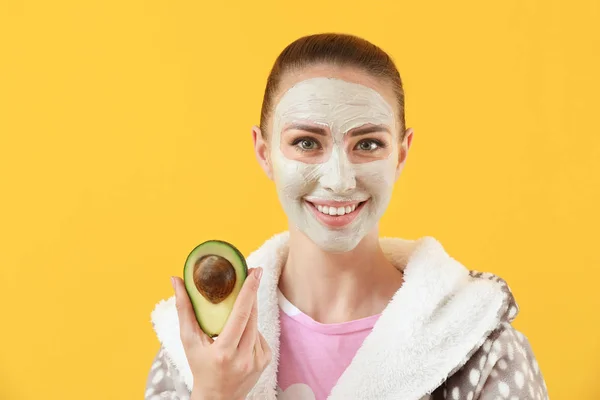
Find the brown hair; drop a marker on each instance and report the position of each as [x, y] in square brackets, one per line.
[336, 49]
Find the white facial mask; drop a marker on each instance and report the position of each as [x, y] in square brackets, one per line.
[341, 106]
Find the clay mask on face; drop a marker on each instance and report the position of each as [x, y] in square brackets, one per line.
[340, 106]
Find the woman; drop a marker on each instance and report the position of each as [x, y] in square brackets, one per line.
[330, 310]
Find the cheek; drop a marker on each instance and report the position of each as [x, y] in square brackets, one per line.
[377, 177]
[293, 178]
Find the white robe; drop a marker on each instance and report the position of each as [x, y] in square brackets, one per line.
[446, 328]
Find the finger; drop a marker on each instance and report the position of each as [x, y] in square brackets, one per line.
[249, 336]
[263, 342]
[258, 347]
[265, 350]
[242, 309]
[189, 330]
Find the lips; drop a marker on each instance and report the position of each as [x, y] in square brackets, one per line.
[335, 214]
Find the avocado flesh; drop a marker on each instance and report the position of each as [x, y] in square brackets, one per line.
[210, 316]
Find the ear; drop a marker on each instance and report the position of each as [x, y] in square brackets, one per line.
[403, 151]
[261, 151]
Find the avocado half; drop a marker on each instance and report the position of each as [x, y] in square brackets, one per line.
[213, 274]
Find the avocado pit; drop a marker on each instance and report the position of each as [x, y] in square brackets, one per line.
[214, 277]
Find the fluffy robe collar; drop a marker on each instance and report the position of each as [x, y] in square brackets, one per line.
[439, 317]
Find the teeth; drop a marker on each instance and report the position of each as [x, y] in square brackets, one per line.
[336, 210]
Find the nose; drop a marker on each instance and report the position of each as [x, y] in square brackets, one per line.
[338, 176]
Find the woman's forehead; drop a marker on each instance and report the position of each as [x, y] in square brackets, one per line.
[346, 73]
[334, 102]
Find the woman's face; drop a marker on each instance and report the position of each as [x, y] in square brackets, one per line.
[334, 154]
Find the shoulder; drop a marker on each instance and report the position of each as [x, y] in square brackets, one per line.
[503, 366]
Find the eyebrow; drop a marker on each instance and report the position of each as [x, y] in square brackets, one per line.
[368, 129]
[354, 132]
[308, 128]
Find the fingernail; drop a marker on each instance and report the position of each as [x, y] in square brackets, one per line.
[173, 282]
[258, 273]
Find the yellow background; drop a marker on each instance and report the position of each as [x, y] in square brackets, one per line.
[125, 141]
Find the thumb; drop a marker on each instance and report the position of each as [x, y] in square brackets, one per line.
[189, 330]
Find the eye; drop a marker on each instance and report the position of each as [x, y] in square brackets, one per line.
[369, 145]
[306, 144]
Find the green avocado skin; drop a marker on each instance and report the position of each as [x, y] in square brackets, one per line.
[212, 317]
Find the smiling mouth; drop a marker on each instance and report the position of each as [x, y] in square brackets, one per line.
[336, 211]
[336, 216]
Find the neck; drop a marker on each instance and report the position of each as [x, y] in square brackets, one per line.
[338, 287]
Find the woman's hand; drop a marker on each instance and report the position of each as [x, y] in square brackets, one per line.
[229, 367]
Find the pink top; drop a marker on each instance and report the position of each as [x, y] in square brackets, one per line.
[313, 355]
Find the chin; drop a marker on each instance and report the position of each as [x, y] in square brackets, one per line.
[336, 241]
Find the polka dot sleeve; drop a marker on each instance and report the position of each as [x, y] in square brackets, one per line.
[164, 382]
[503, 368]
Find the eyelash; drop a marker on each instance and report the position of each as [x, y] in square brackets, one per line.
[380, 144]
[308, 139]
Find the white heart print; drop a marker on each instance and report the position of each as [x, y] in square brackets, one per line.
[297, 391]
